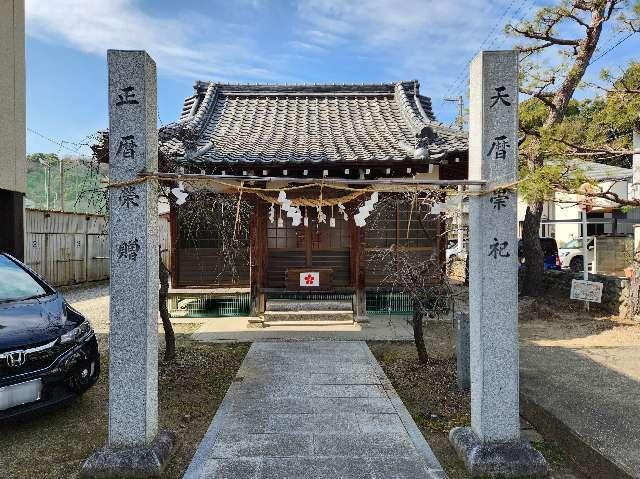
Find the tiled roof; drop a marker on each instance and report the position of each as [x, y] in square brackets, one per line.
[597, 171]
[280, 124]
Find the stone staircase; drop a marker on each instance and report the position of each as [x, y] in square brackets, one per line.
[311, 312]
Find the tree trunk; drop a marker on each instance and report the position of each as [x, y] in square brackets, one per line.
[533, 282]
[418, 336]
[169, 335]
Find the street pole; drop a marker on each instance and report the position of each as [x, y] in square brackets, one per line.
[460, 119]
[47, 185]
[585, 260]
[61, 169]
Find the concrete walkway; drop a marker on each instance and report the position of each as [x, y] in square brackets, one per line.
[312, 409]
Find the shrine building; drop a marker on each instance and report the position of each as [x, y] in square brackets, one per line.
[281, 132]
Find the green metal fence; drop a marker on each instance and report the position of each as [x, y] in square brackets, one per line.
[209, 305]
[399, 303]
[387, 302]
[310, 295]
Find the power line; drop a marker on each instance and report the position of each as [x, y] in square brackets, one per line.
[460, 78]
[63, 143]
[609, 50]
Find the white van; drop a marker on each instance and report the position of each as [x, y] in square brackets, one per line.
[571, 254]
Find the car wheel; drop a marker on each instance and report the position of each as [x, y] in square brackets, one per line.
[576, 264]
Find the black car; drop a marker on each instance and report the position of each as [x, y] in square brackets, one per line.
[48, 350]
[549, 252]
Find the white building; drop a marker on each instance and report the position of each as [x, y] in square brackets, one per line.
[561, 217]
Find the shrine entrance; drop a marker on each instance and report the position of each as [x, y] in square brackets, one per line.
[313, 246]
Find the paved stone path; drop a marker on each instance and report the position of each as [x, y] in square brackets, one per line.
[312, 409]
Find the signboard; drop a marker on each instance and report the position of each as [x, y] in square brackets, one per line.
[586, 290]
[310, 279]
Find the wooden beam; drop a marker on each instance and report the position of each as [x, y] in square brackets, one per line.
[258, 253]
[326, 181]
[173, 244]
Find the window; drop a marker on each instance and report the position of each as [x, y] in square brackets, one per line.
[16, 283]
[401, 225]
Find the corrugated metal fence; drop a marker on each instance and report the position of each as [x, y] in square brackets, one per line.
[71, 248]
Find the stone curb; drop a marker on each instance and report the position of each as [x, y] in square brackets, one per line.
[587, 459]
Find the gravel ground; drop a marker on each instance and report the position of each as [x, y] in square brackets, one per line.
[92, 300]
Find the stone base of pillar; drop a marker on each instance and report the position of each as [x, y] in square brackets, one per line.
[503, 459]
[362, 319]
[147, 461]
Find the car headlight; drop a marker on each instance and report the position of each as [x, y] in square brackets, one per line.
[76, 333]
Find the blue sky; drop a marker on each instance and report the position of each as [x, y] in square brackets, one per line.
[267, 41]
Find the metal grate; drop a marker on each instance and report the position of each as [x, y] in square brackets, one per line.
[387, 302]
[310, 295]
[393, 302]
[209, 305]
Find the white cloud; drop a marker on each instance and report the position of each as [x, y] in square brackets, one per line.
[93, 26]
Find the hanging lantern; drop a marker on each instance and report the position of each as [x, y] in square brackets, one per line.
[306, 218]
[332, 220]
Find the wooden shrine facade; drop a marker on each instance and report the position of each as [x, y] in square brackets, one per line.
[351, 132]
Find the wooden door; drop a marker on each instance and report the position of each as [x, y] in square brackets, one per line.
[317, 245]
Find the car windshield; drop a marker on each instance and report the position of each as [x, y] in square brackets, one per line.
[16, 283]
[574, 244]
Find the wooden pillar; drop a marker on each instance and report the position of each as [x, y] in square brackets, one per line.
[356, 238]
[173, 243]
[258, 254]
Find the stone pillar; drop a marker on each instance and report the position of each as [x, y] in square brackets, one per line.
[134, 448]
[463, 377]
[492, 446]
[13, 184]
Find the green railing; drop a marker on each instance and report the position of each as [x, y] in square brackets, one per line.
[310, 295]
[209, 305]
[399, 303]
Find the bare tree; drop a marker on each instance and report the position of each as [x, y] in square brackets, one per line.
[169, 334]
[406, 270]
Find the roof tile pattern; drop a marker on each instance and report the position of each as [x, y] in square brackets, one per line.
[298, 124]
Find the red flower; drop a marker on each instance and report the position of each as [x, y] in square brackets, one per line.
[308, 279]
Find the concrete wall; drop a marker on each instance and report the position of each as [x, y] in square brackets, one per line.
[12, 93]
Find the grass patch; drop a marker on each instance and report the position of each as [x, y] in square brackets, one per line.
[55, 443]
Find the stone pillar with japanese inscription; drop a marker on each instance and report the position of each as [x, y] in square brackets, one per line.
[135, 447]
[492, 445]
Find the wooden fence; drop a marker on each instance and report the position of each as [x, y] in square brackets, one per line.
[72, 248]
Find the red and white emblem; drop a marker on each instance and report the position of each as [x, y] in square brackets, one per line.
[310, 279]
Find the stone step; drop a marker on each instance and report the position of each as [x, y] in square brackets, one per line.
[297, 324]
[308, 316]
[308, 305]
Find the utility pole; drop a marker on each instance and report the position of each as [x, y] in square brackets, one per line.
[460, 118]
[61, 171]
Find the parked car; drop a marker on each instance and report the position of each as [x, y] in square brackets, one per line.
[549, 250]
[454, 250]
[48, 350]
[571, 254]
